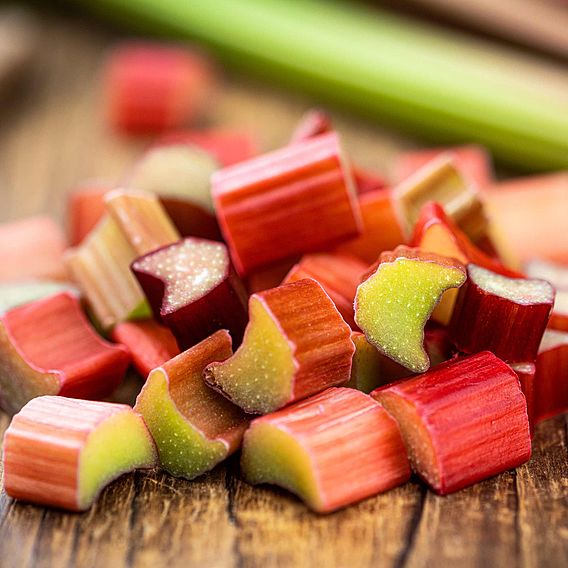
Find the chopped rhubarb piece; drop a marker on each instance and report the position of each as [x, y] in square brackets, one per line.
[136, 223]
[331, 450]
[462, 422]
[14, 294]
[298, 199]
[62, 452]
[435, 232]
[227, 146]
[85, 208]
[381, 227]
[536, 203]
[176, 170]
[367, 371]
[152, 87]
[551, 377]
[269, 277]
[31, 248]
[49, 347]
[313, 123]
[338, 274]
[295, 345]
[526, 373]
[367, 181]
[194, 427]
[193, 289]
[504, 315]
[394, 303]
[150, 344]
[474, 161]
[440, 180]
[191, 220]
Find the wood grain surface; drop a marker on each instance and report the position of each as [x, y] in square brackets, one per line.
[53, 135]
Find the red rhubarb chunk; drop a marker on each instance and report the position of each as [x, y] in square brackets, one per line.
[85, 208]
[49, 347]
[331, 450]
[463, 421]
[292, 201]
[526, 373]
[193, 289]
[507, 316]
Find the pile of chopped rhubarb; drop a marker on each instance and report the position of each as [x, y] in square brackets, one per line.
[339, 330]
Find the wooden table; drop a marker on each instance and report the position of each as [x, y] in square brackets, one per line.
[52, 135]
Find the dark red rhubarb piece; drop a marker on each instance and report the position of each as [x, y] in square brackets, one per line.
[292, 201]
[463, 421]
[507, 316]
[193, 289]
[295, 345]
[526, 373]
[49, 347]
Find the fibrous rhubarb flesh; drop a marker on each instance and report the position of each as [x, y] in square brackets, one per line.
[193, 289]
[295, 345]
[394, 303]
[49, 347]
[292, 201]
[462, 422]
[504, 315]
[331, 450]
[62, 452]
[194, 427]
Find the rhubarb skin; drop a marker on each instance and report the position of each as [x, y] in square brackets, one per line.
[62, 452]
[473, 160]
[440, 180]
[191, 220]
[85, 208]
[193, 289]
[152, 87]
[149, 343]
[194, 427]
[32, 248]
[269, 277]
[462, 422]
[507, 316]
[296, 344]
[338, 274]
[551, 377]
[526, 373]
[292, 201]
[381, 227]
[49, 347]
[331, 450]
[396, 300]
[313, 123]
[367, 181]
[228, 147]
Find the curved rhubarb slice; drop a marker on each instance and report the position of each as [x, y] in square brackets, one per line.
[331, 450]
[462, 422]
[194, 427]
[504, 315]
[49, 347]
[62, 452]
[439, 180]
[338, 274]
[193, 289]
[292, 201]
[394, 303]
[295, 345]
[150, 344]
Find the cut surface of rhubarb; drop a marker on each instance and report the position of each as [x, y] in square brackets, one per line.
[194, 427]
[507, 316]
[393, 304]
[296, 344]
[193, 289]
[62, 452]
[292, 201]
[331, 450]
[150, 344]
[463, 421]
[49, 347]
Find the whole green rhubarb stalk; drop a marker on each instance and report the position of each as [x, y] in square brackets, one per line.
[438, 84]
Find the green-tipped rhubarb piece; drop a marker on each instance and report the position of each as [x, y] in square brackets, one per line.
[194, 427]
[394, 303]
[295, 345]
